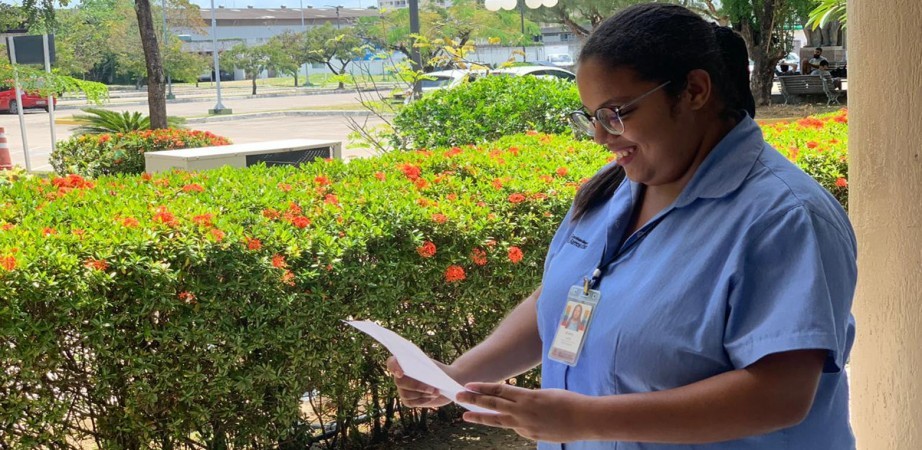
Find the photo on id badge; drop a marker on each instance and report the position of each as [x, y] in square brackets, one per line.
[571, 332]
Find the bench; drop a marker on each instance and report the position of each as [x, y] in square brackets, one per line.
[796, 85]
[271, 153]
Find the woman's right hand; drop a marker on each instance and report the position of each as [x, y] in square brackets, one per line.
[415, 393]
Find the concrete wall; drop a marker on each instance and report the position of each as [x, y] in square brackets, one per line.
[885, 204]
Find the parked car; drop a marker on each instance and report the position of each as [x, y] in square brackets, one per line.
[536, 71]
[561, 60]
[28, 100]
[442, 79]
[209, 75]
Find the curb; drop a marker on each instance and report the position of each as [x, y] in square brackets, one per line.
[261, 115]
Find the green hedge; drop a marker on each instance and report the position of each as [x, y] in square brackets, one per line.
[485, 110]
[159, 311]
[94, 155]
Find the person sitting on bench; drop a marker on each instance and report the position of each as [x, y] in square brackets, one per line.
[823, 71]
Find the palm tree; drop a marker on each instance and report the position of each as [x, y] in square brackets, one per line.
[100, 121]
[826, 11]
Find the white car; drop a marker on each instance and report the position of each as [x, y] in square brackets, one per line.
[442, 79]
[561, 60]
[536, 71]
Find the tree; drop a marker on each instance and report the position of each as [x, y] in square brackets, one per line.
[252, 60]
[328, 45]
[289, 53]
[465, 22]
[766, 27]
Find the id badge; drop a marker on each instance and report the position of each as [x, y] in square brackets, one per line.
[574, 325]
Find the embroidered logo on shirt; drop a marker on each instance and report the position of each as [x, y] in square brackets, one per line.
[578, 242]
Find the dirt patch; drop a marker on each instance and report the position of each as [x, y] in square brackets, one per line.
[460, 435]
[794, 111]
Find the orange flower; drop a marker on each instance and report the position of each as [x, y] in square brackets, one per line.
[7, 227]
[217, 234]
[96, 264]
[421, 183]
[546, 178]
[253, 244]
[454, 274]
[271, 214]
[284, 187]
[331, 199]
[129, 222]
[452, 197]
[427, 250]
[439, 218]
[47, 231]
[497, 184]
[203, 219]
[278, 261]
[515, 254]
[193, 188]
[321, 180]
[186, 297]
[380, 176]
[453, 151]
[145, 176]
[422, 201]
[562, 171]
[288, 278]
[841, 182]
[516, 198]
[165, 217]
[479, 257]
[8, 262]
[812, 144]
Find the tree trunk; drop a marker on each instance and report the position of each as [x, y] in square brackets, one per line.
[764, 51]
[156, 97]
[296, 77]
[254, 84]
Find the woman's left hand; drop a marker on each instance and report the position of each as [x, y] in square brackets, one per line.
[541, 415]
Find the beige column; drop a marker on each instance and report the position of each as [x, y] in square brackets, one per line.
[885, 205]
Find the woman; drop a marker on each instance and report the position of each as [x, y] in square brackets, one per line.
[723, 274]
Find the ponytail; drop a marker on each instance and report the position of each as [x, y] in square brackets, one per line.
[736, 93]
[597, 190]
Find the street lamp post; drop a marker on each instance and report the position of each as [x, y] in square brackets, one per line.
[509, 5]
[218, 107]
[169, 82]
[307, 70]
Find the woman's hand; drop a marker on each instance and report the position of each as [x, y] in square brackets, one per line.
[414, 393]
[546, 414]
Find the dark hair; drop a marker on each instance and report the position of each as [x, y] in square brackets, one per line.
[824, 63]
[819, 49]
[664, 42]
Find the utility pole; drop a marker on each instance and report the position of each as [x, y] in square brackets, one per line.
[169, 82]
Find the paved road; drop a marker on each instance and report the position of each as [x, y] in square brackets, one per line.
[250, 123]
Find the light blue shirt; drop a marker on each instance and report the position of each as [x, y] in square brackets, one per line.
[753, 258]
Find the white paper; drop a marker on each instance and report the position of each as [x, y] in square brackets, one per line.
[414, 362]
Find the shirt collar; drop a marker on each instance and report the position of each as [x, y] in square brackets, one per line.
[728, 164]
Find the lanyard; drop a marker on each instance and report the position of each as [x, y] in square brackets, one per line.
[592, 282]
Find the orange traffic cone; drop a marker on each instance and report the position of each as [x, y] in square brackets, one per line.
[5, 161]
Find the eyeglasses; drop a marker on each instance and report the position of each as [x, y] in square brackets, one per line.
[610, 118]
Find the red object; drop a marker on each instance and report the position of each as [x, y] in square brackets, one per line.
[5, 162]
[27, 100]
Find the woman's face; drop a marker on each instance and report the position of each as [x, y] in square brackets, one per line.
[661, 140]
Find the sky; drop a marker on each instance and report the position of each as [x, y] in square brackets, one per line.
[288, 3]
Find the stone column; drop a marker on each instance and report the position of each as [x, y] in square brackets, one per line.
[885, 205]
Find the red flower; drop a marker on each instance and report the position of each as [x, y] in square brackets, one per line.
[217, 234]
[331, 199]
[145, 176]
[811, 122]
[96, 264]
[47, 231]
[8, 262]
[454, 274]
[841, 119]
[421, 183]
[812, 144]
[516, 198]
[321, 180]
[452, 197]
[204, 219]
[410, 171]
[6, 227]
[422, 201]
[427, 250]
[186, 297]
[300, 222]
[479, 257]
[278, 261]
[439, 218]
[380, 176]
[453, 151]
[515, 254]
[562, 171]
[254, 244]
[841, 182]
[165, 217]
[193, 188]
[284, 187]
[497, 184]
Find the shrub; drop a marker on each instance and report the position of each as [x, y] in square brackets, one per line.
[108, 154]
[100, 121]
[819, 146]
[157, 311]
[484, 110]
